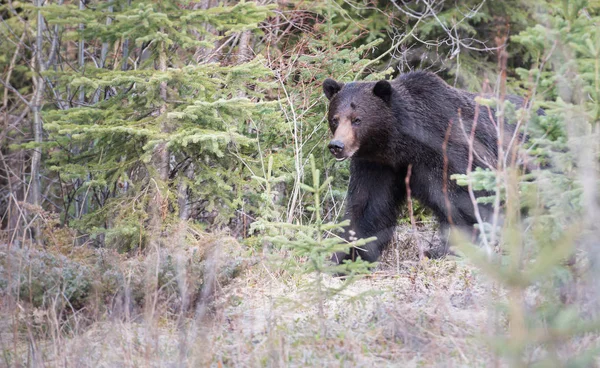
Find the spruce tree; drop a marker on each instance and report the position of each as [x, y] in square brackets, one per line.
[148, 111]
[549, 251]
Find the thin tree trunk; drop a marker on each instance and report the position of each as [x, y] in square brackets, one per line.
[159, 204]
[11, 177]
[80, 55]
[125, 47]
[182, 193]
[39, 86]
[54, 46]
[203, 54]
[160, 155]
[82, 198]
[244, 47]
[244, 54]
[163, 152]
[103, 52]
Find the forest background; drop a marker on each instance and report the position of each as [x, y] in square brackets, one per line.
[159, 204]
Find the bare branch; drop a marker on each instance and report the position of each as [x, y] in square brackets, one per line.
[445, 173]
[15, 91]
[470, 181]
[394, 46]
[413, 223]
[453, 39]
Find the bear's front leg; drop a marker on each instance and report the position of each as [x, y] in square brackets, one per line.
[375, 194]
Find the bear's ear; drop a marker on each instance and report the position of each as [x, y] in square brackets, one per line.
[331, 87]
[383, 90]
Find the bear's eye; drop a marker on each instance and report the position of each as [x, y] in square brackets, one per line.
[334, 122]
[356, 121]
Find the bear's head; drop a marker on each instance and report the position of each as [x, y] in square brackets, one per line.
[360, 117]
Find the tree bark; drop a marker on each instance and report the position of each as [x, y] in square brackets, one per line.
[203, 54]
[182, 193]
[80, 55]
[125, 47]
[39, 85]
[163, 152]
[103, 52]
[244, 47]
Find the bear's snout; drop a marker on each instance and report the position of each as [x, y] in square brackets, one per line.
[336, 147]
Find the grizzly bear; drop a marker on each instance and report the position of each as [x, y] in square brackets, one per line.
[415, 120]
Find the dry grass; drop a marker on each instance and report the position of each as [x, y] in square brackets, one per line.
[406, 314]
[430, 313]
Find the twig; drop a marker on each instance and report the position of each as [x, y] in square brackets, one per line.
[413, 223]
[502, 57]
[394, 46]
[297, 136]
[445, 173]
[470, 180]
[15, 91]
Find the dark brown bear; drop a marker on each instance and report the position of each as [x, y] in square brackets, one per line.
[384, 127]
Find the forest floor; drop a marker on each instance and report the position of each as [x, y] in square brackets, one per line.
[405, 314]
[433, 316]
